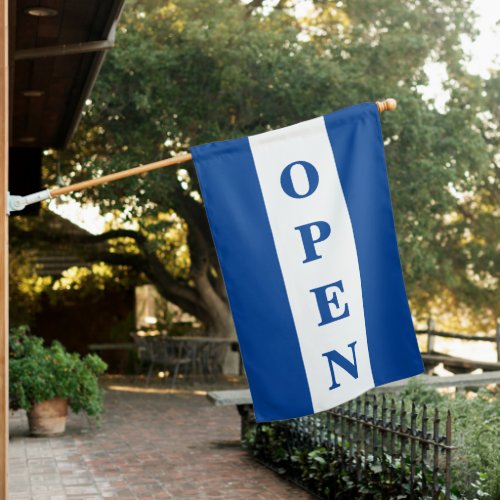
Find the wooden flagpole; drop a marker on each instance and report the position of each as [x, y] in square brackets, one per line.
[387, 105]
[176, 160]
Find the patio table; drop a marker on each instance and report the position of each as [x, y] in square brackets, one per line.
[204, 352]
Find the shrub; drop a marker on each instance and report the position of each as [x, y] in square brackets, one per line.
[475, 464]
[329, 473]
[38, 373]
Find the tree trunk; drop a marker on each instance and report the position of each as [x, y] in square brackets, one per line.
[223, 326]
[209, 306]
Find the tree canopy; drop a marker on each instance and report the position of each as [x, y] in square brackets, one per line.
[186, 72]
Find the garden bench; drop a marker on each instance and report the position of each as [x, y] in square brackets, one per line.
[240, 398]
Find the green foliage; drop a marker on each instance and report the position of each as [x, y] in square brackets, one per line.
[421, 394]
[25, 286]
[476, 434]
[330, 473]
[38, 373]
[188, 72]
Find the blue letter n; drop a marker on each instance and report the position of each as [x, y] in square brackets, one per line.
[350, 367]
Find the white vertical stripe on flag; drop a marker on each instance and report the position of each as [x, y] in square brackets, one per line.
[272, 152]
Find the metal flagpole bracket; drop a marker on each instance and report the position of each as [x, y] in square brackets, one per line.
[16, 203]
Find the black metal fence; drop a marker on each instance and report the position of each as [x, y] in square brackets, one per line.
[371, 441]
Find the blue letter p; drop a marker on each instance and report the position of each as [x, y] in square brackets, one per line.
[308, 241]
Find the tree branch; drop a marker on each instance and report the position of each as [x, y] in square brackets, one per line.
[118, 233]
[65, 238]
[135, 261]
[185, 297]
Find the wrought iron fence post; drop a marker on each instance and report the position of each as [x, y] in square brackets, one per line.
[350, 435]
[413, 444]
[392, 435]
[435, 469]
[448, 456]
[402, 439]
[366, 429]
[342, 436]
[424, 448]
[374, 430]
[358, 438]
[383, 432]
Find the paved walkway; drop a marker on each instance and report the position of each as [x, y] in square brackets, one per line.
[150, 445]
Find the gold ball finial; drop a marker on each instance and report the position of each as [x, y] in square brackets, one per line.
[387, 105]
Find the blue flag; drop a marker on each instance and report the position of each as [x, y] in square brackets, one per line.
[302, 223]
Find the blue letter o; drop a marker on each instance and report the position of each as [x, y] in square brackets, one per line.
[312, 178]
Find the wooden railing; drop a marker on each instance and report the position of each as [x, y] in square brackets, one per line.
[432, 333]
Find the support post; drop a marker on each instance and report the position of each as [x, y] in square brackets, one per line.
[4, 248]
[498, 340]
[431, 326]
[247, 419]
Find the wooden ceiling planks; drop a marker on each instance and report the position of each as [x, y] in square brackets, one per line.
[49, 28]
[48, 118]
[64, 93]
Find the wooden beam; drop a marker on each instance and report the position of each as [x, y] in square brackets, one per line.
[63, 50]
[4, 248]
[433, 359]
[461, 336]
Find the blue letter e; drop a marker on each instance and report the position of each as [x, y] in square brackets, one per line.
[324, 303]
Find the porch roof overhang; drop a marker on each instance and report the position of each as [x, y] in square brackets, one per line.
[57, 48]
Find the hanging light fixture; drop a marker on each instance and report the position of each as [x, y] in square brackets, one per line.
[33, 93]
[37, 11]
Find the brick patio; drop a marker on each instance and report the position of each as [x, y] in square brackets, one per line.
[150, 445]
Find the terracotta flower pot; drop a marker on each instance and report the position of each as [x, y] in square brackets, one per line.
[48, 417]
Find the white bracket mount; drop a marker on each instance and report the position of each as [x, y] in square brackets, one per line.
[16, 203]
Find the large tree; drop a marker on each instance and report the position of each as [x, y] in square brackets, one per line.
[185, 72]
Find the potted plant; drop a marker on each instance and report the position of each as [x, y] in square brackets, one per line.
[45, 380]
